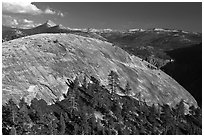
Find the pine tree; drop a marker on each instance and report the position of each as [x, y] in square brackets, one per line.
[73, 103]
[95, 81]
[180, 109]
[13, 131]
[62, 124]
[84, 82]
[167, 117]
[76, 83]
[127, 88]
[139, 97]
[72, 93]
[113, 79]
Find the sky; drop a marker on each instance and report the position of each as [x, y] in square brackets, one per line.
[116, 15]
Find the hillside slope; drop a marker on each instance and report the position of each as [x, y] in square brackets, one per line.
[39, 65]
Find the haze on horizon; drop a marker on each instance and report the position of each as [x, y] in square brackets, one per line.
[121, 16]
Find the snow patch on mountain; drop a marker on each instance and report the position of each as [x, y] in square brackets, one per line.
[134, 30]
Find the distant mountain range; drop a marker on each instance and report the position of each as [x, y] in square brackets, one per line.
[51, 27]
[10, 33]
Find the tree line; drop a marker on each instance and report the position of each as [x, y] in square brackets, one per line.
[90, 108]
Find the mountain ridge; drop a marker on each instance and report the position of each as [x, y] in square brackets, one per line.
[49, 24]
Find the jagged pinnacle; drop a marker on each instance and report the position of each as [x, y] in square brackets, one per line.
[49, 23]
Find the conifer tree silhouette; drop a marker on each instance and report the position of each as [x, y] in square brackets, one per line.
[113, 80]
[127, 88]
[71, 94]
[62, 124]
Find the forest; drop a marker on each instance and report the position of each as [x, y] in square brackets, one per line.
[90, 108]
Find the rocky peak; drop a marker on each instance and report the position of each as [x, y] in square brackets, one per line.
[60, 26]
[49, 23]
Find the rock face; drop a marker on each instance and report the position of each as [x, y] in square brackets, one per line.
[38, 66]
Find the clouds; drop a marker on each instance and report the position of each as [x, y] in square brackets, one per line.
[25, 14]
[60, 14]
[9, 21]
[26, 7]
[20, 7]
[15, 22]
[18, 22]
[28, 26]
[51, 11]
[27, 21]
